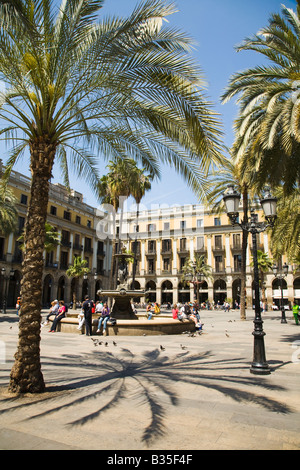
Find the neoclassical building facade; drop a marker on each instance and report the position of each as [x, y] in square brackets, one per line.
[74, 220]
[164, 237]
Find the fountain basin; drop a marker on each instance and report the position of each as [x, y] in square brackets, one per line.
[130, 327]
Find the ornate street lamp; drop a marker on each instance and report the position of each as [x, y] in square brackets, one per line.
[268, 203]
[281, 276]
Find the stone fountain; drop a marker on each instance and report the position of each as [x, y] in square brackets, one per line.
[122, 295]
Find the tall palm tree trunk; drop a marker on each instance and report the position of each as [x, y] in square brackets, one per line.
[26, 374]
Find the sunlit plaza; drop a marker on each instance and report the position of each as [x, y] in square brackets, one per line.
[149, 227]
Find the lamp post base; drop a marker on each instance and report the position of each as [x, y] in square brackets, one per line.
[259, 365]
[283, 319]
[260, 369]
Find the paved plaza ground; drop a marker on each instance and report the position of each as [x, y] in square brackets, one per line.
[194, 393]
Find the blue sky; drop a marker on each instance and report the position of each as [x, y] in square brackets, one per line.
[217, 26]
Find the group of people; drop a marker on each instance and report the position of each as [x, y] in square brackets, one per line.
[86, 314]
[58, 309]
[189, 311]
[88, 307]
[152, 309]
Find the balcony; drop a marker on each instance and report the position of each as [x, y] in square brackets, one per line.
[66, 243]
[77, 247]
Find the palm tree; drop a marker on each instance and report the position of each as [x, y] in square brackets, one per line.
[8, 211]
[285, 236]
[140, 184]
[77, 271]
[75, 84]
[264, 265]
[113, 188]
[198, 266]
[268, 127]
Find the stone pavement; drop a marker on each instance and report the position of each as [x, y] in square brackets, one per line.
[193, 393]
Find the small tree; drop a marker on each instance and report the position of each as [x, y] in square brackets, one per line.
[77, 271]
[200, 267]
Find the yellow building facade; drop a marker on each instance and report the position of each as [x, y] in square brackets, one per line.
[164, 236]
[74, 220]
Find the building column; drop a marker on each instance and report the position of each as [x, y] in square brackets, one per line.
[209, 250]
[227, 254]
[158, 257]
[174, 264]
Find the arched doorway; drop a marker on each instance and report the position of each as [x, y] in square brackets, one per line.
[97, 287]
[236, 293]
[85, 289]
[150, 293]
[14, 287]
[61, 288]
[167, 292]
[203, 292]
[47, 286]
[277, 285]
[296, 286]
[220, 291]
[183, 293]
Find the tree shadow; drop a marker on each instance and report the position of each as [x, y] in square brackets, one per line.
[105, 380]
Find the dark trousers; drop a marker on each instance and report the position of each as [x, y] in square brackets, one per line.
[55, 321]
[88, 323]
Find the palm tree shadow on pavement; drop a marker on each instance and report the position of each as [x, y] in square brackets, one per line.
[104, 380]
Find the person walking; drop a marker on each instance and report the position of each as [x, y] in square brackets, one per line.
[87, 307]
[296, 312]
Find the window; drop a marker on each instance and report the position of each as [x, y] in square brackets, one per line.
[151, 266]
[199, 223]
[151, 227]
[236, 240]
[183, 244]
[21, 224]
[64, 260]
[219, 263]
[88, 245]
[151, 246]
[67, 215]
[78, 219]
[53, 210]
[24, 199]
[218, 241]
[166, 225]
[167, 264]
[89, 224]
[200, 243]
[166, 245]
[237, 263]
[217, 221]
[182, 224]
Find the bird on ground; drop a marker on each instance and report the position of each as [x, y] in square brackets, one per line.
[226, 334]
[106, 344]
[95, 341]
[162, 348]
[114, 343]
[182, 347]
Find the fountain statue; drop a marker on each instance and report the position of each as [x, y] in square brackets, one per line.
[122, 295]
